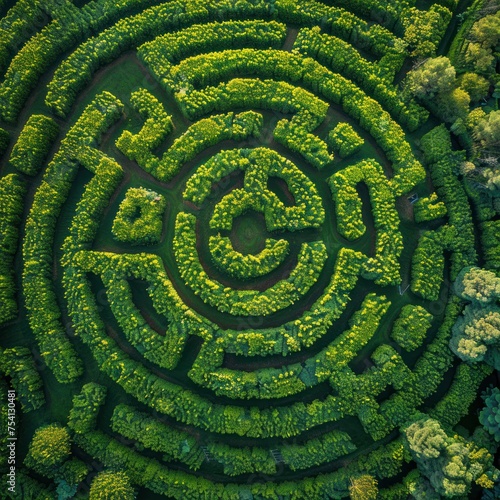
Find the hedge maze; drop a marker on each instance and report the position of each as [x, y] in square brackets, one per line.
[245, 253]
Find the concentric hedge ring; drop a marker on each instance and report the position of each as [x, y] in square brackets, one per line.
[279, 353]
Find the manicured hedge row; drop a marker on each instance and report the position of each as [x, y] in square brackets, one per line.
[166, 50]
[210, 69]
[464, 390]
[427, 374]
[310, 111]
[255, 93]
[410, 328]
[93, 202]
[258, 165]
[427, 271]
[157, 125]
[348, 204]
[389, 370]
[34, 143]
[241, 266]
[384, 267]
[139, 220]
[341, 58]
[377, 10]
[382, 462]
[84, 412]
[18, 364]
[295, 136]
[182, 446]
[42, 50]
[442, 160]
[18, 25]
[201, 135]
[173, 400]
[429, 208]
[77, 70]
[339, 22]
[158, 349]
[344, 139]
[41, 303]
[272, 383]
[12, 191]
[313, 323]
[284, 293]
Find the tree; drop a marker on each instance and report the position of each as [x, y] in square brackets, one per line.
[49, 448]
[433, 77]
[363, 488]
[480, 286]
[453, 105]
[486, 31]
[450, 464]
[476, 335]
[490, 414]
[475, 85]
[110, 485]
[486, 132]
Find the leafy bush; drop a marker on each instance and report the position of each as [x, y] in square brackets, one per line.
[430, 208]
[12, 191]
[247, 266]
[34, 143]
[490, 414]
[344, 139]
[139, 220]
[18, 363]
[410, 328]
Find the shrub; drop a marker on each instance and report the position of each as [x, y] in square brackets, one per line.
[49, 448]
[111, 485]
[139, 220]
[344, 139]
[18, 363]
[429, 208]
[12, 191]
[34, 143]
[410, 328]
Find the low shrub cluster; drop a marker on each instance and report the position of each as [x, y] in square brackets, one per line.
[12, 190]
[248, 266]
[33, 144]
[410, 328]
[18, 364]
[282, 294]
[139, 220]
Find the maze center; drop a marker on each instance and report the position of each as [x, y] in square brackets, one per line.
[249, 233]
[243, 256]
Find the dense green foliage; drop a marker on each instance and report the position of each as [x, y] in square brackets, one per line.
[250, 249]
[18, 364]
[450, 464]
[139, 218]
[410, 328]
[34, 143]
[50, 446]
[109, 485]
[12, 190]
[247, 266]
[490, 414]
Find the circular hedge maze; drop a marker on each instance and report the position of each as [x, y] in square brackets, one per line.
[239, 259]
